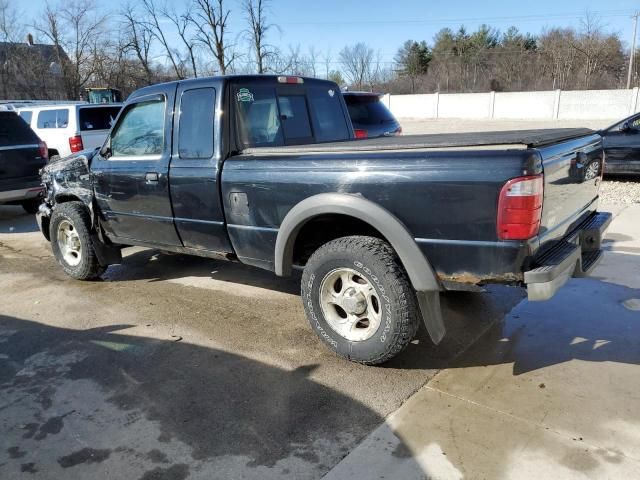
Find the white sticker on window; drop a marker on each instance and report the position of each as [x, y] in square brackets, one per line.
[332, 93]
[244, 95]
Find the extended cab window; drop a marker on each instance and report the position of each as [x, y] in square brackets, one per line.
[140, 130]
[195, 131]
[53, 118]
[257, 119]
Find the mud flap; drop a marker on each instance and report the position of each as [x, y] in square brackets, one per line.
[432, 315]
[107, 254]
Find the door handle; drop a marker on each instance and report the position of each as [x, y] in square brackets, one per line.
[151, 177]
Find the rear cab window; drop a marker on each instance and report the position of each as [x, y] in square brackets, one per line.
[97, 118]
[58, 118]
[271, 115]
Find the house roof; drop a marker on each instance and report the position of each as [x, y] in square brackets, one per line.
[48, 53]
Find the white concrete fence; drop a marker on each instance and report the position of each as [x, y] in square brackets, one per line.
[550, 105]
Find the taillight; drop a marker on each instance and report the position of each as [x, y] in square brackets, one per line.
[75, 143]
[360, 133]
[520, 208]
[290, 79]
[44, 151]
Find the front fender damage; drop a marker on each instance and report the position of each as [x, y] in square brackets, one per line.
[67, 180]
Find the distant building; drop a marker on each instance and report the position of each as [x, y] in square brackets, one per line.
[31, 71]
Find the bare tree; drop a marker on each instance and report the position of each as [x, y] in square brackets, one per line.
[182, 22]
[76, 31]
[211, 19]
[155, 27]
[357, 61]
[256, 16]
[326, 60]
[138, 39]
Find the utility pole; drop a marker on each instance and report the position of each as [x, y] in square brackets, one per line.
[633, 49]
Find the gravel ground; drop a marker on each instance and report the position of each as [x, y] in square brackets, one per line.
[620, 191]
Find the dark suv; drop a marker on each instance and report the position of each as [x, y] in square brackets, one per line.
[369, 116]
[22, 155]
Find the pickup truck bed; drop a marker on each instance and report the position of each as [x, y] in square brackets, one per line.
[512, 139]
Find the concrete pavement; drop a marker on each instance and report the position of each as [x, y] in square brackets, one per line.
[551, 392]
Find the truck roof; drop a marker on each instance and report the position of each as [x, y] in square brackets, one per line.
[262, 78]
[513, 139]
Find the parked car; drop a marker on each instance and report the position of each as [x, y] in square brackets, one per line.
[22, 155]
[70, 127]
[622, 146]
[227, 168]
[370, 116]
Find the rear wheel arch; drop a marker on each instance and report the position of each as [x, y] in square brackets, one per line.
[380, 220]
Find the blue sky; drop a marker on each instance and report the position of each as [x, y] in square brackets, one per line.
[385, 25]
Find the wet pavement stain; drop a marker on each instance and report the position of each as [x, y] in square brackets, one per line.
[52, 426]
[31, 429]
[175, 472]
[156, 456]
[86, 455]
[15, 452]
[28, 468]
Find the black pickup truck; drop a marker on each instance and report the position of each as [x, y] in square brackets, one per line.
[264, 170]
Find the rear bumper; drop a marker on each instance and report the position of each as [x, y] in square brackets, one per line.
[576, 255]
[15, 196]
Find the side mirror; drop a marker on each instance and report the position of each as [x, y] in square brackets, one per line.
[105, 151]
[626, 127]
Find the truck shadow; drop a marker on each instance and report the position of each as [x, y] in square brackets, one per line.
[126, 395]
[588, 320]
[13, 219]
[154, 265]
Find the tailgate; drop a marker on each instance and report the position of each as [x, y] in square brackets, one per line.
[572, 175]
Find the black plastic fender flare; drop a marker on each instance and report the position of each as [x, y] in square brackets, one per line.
[420, 272]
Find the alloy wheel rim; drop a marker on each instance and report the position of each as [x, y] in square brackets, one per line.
[69, 243]
[350, 304]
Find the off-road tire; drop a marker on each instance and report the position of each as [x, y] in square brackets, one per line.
[376, 261]
[76, 213]
[31, 205]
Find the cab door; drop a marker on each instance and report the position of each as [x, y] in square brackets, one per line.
[130, 174]
[195, 167]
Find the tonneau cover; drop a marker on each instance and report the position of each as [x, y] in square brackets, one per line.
[530, 138]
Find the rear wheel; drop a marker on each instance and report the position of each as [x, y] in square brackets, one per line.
[358, 299]
[32, 205]
[69, 231]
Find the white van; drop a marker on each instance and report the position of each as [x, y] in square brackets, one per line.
[70, 127]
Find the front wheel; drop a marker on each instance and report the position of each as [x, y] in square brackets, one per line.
[69, 231]
[358, 299]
